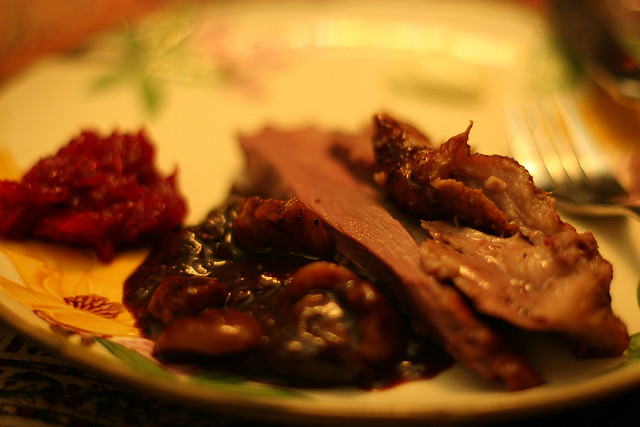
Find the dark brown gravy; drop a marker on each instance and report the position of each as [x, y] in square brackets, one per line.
[279, 316]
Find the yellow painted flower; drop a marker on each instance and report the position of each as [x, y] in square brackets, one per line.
[70, 288]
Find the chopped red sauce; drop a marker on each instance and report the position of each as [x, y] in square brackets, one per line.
[100, 192]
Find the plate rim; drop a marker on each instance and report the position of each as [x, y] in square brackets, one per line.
[518, 404]
[282, 409]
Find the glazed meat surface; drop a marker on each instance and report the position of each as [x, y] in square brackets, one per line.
[530, 267]
[282, 225]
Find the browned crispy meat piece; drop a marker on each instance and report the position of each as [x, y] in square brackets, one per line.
[285, 225]
[425, 179]
[533, 269]
[334, 328]
[214, 332]
[381, 243]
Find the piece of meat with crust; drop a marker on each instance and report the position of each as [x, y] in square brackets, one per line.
[423, 179]
[335, 328]
[381, 245]
[285, 225]
[533, 269]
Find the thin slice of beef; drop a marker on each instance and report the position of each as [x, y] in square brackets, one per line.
[381, 242]
[532, 269]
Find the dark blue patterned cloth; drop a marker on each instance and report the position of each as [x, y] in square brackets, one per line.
[37, 388]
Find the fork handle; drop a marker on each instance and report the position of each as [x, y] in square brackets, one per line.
[617, 210]
[603, 210]
[632, 211]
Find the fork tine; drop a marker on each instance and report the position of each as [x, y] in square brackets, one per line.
[522, 145]
[551, 140]
[558, 152]
[551, 143]
[542, 130]
[595, 169]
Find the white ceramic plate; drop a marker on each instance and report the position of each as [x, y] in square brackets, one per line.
[208, 73]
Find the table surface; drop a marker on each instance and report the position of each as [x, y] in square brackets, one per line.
[36, 387]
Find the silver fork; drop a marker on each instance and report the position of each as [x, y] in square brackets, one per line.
[549, 138]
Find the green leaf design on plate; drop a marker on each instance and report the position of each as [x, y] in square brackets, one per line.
[217, 379]
[134, 359]
[148, 56]
[226, 381]
[633, 351]
[152, 94]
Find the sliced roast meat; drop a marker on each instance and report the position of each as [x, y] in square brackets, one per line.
[528, 285]
[532, 269]
[381, 242]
